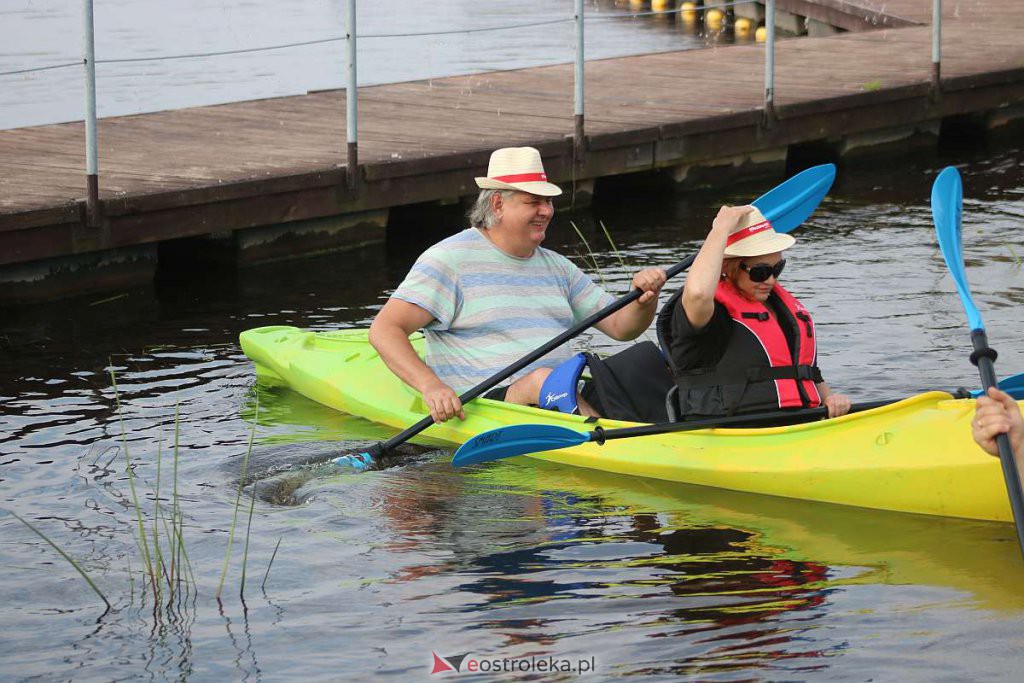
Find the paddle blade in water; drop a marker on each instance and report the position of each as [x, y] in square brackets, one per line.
[360, 461]
[792, 202]
[508, 442]
[355, 461]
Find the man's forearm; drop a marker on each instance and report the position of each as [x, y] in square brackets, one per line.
[632, 321]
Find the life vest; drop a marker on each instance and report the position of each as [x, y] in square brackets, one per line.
[768, 363]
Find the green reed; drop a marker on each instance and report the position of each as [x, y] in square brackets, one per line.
[141, 540]
[593, 257]
[166, 565]
[71, 561]
[238, 502]
[263, 586]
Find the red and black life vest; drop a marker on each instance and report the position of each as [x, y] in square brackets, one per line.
[767, 364]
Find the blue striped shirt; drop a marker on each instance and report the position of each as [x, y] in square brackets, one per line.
[490, 308]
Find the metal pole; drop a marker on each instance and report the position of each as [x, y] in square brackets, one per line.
[92, 200]
[769, 62]
[351, 99]
[936, 45]
[578, 95]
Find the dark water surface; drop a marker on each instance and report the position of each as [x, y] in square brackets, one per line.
[376, 571]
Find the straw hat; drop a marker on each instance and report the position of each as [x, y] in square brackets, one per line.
[755, 236]
[518, 168]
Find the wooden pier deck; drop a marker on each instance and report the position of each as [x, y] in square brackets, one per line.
[236, 166]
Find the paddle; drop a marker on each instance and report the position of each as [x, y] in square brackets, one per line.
[787, 205]
[1013, 385]
[947, 198]
[508, 442]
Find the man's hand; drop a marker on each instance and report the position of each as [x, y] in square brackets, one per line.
[997, 414]
[650, 280]
[837, 404]
[443, 402]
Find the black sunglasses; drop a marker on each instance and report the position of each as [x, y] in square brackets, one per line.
[762, 271]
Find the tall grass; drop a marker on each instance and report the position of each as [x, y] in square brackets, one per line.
[168, 571]
[71, 561]
[238, 502]
[593, 257]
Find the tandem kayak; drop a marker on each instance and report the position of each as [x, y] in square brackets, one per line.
[914, 455]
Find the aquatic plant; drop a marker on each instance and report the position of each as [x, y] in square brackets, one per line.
[263, 586]
[238, 502]
[1017, 260]
[593, 258]
[158, 531]
[589, 254]
[71, 561]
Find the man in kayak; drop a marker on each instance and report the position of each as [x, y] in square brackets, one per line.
[737, 341]
[490, 294]
[998, 414]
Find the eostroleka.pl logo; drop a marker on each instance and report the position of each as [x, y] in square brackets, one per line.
[450, 663]
[469, 664]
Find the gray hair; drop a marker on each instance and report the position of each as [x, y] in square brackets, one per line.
[481, 215]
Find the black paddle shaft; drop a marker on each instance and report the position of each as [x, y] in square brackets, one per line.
[380, 448]
[984, 357]
[599, 435]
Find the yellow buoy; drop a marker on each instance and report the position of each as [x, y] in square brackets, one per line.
[689, 13]
[713, 18]
[761, 34]
[636, 4]
[743, 27]
[661, 5]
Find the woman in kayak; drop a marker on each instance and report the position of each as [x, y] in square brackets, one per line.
[998, 414]
[737, 341]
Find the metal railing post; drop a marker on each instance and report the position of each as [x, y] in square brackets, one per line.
[936, 85]
[578, 111]
[92, 199]
[769, 62]
[352, 99]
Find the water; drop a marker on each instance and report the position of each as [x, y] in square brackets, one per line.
[376, 571]
[41, 33]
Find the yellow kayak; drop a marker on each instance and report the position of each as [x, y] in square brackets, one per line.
[915, 455]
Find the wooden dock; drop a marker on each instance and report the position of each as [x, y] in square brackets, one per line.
[235, 167]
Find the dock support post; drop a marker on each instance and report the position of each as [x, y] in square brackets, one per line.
[92, 199]
[936, 85]
[769, 63]
[578, 132]
[352, 99]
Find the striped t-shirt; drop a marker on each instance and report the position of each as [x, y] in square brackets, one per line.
[490, 309]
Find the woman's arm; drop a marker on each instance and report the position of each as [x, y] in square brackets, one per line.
[698, 299]
[837, 404]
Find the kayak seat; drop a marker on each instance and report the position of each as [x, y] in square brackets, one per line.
[559, 389]
[632, 384]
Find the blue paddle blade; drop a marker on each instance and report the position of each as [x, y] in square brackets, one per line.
[789, 204]
[355, 461]
[947, 199]
[1013, 385]
[507, 442]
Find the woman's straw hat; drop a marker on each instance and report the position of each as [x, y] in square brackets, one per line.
[755, 236]
[518, 168]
